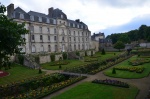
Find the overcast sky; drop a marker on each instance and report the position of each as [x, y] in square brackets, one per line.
[108, 16]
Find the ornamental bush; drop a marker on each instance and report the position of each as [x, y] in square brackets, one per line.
[114, 71]
[52, 57]
[64, 55]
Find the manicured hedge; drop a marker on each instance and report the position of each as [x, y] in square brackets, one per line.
[111, 82]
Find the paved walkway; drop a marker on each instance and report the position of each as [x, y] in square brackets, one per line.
[143, 84]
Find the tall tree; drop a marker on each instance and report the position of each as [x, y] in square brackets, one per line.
[10, 37]
[119, 45]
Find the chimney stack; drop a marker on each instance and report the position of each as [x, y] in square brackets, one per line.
[10, 10]
[50, 10]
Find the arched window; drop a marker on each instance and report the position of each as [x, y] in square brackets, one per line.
[49, 48]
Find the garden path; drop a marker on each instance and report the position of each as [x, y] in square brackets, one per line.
[143, 84]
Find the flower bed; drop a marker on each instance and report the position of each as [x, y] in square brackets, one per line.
[43, 91]
[37, 83]
[3, 73]
[94, 67]
[56, 63]
[131, 69]
[111, 82]
[90, 60]
[139, 61]
[108, 65]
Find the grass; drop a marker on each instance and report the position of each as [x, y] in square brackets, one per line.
[71, 64]
[18, 73]
[89, 90]
[74, 63]
[127, 74]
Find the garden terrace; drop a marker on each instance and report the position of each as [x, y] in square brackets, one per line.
[19, 73]
[143, 70]
[76, 63]
[89, 90]
[37, 87]
[95, 67]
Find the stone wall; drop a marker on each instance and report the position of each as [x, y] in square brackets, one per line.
[57, 57]
[44, 59]
[82, 53]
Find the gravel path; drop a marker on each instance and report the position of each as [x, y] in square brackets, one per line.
[143, 84]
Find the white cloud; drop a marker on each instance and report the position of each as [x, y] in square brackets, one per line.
[97, 14]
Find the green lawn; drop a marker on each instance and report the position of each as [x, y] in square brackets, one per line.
[74, 63]
[17, 73]
[89, 90]
[127, 74]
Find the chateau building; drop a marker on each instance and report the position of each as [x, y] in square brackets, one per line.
[52, 32]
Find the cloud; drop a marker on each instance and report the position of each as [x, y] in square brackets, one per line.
[97, 14]
[135, 23]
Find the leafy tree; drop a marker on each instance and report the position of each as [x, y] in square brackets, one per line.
[124, 38]
[119, 45]
[10, 37]
[103, 51]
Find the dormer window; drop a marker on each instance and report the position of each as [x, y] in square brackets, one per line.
[47, 20]
[32, 18]
[54, 21]
[21, 16]
[62, 16]
[69, 24]
[40, 19]
[73, 25]
[81, 26]
[78, 26]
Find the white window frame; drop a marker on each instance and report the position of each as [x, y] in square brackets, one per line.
[21, 16]
[32, 18]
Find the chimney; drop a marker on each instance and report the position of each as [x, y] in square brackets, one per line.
[50, 10]
[77, 20]
[10, 10]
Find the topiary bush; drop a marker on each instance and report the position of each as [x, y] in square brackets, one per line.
[64, 55]
[77, 53]
[85, 53]
[114, 71]
[21, 59]
[37, 59]
[52, 57]
[103, 51]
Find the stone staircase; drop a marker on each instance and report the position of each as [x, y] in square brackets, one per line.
[72, 55]
[29, 61]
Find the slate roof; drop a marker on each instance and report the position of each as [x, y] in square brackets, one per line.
[56, 13]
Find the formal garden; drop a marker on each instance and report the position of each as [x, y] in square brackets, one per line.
[135, 67]
[89, 90]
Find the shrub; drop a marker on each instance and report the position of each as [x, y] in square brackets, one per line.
[77, 53]
[52, 57]
[85, 53]
[37, 60]
[91, 53]
[40, 71]
[64, 55]
[103, 51]
[114, 71]
[21, 59]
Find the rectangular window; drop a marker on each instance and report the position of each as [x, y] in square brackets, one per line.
[21, 16]
[74, 39]
[48, 30]
[55, 38]
[48, 37]
[69, 38]
[74, 33]
[41, 38]
[40, 28]
[63, 39]
[32, 37]
[47, 20]
[32, 29]
[54, 30]
[54, 21]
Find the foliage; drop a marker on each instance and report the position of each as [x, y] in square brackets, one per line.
[119, 45]
[37, 59]
[111, 82]
[65, 55]
[103, 51]
[21, 59]
[40, 71]
[10, 36]
[39, 88]
[77, 53]
[85, 53]
[142, 33]
[52, 57]
[113, 71]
